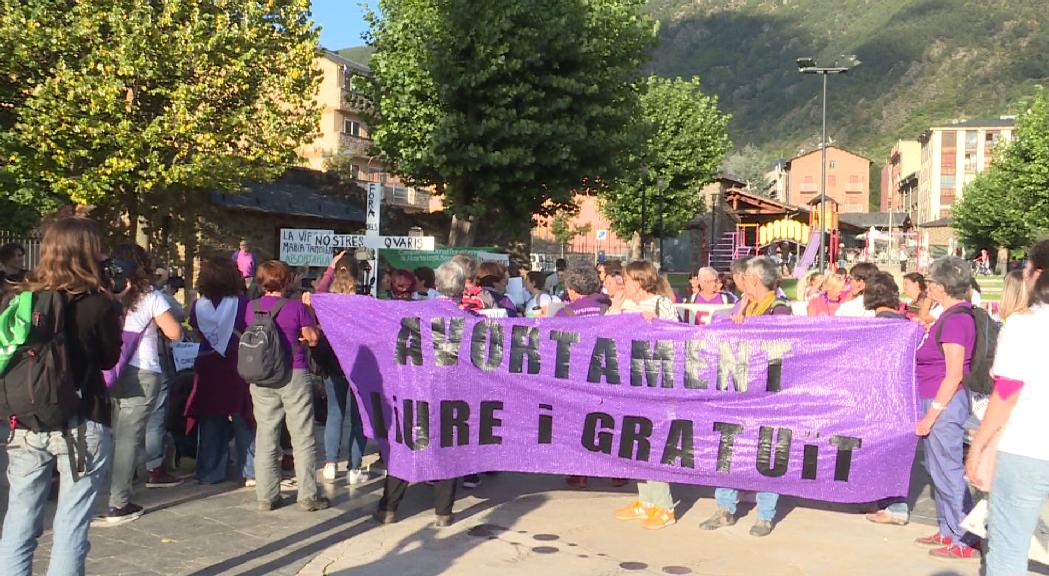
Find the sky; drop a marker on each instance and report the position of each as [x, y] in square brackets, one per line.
[342, 22]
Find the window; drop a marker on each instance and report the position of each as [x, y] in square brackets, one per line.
[351, 127]
[855, 185]
[355, 172]
[970, 162]
[945, 212]
[949, 141]
[971, 138]
[833, 164]
[832, 181]
[947, 182]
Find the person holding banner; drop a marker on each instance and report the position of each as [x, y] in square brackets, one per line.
[761, 279]
[829, 299]
[705, 288]
[539, 304]
[450, 279]
[943, 359]
[640, 295]
[858, 276]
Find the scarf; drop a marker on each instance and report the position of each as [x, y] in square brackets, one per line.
[216, 324]
[761, 307]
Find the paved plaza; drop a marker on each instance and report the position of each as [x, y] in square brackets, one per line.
[513, 524]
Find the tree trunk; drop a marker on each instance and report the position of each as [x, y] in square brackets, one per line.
[189, 244]
[463, 231]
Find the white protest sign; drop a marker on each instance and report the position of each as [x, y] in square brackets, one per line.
[701, 314]
[184, 354]
[302, 247]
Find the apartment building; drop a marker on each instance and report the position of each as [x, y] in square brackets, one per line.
[344, 138]
[905, 160]
[951, 156]
[848, 179]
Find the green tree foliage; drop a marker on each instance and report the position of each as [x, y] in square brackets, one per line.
[680, 139]
[563, 231]
[1009, 204]
[507, 108]
[750, 165]
[142, 107]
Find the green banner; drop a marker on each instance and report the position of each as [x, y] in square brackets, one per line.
[412, 259]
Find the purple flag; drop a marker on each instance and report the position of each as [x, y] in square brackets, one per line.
[821, 408]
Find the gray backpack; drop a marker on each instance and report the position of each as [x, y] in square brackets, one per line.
[262, 357]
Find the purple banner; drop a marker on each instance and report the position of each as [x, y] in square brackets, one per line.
[821, 408]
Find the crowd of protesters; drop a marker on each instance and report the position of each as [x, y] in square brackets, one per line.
[118, 325]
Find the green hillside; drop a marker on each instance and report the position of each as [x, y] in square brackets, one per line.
[923, 62]
[359, 54]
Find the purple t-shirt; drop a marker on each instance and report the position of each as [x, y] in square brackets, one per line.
[958, 328]
[292, 317]
[718, 298]
[246, 264]
[591, 305]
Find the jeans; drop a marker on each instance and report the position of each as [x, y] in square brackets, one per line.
[726, 499]
[31, 457]
[656, 494]
[134, 394]
[943, 461]
[339, 398]
[294, 404]
[213, 448]
[156, 427]
[1020, 487]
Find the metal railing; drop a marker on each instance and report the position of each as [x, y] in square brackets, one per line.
[30, 242]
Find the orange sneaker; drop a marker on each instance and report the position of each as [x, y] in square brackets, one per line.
[636, 511]
[659, 518]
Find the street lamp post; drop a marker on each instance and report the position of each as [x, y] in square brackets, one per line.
[808, 66]
[660, 185]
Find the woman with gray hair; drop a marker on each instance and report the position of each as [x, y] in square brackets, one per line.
[943, 359]
[704, 288]
[449, 278]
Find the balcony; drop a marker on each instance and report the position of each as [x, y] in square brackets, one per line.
[404, 196]
[809, 188]
[354, 146]
[854, 187]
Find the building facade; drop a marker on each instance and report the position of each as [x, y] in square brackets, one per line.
[904, 160]
[848, 179]
[344, 139]
[951, 156]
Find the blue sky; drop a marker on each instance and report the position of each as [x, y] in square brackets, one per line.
[342, 22]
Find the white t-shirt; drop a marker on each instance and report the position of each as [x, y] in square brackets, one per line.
[538, 302]
[1021, 345]
[149, 306]
[659, 306]
[551, 282]
[854, 308]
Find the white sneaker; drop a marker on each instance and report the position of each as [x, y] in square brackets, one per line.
[329, 472]
[357, 476]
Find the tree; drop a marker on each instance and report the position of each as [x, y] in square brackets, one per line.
[1009, 205]
[505, 113]
[144, 107]
[680, 138]
[750, 165]
[563, 231]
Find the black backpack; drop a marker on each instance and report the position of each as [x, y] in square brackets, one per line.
[979, 378]
[262, 357]
[37, 387]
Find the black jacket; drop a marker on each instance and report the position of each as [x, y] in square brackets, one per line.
[94, 327]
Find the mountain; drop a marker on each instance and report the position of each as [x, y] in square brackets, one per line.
[358, 54]
[923, 62]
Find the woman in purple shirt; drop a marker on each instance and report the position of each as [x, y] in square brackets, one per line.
[943, 360]
[706, 291]
[292, 402]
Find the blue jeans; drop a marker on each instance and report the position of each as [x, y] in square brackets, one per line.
[156, 427]
[339, 398]
[31, 458]
[943, 462]
[133, 395]
[213, 448]
[726, 499]
[1020, 487]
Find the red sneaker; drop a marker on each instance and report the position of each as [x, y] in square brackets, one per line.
[936, 540]
[956, 552]
[576, 482]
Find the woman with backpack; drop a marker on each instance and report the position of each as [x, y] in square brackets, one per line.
[220, 402]
[70, 270]
[136, 382]
[291, 326]
[943, 360]
[641, 285]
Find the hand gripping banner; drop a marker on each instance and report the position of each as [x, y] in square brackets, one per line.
[821, 408]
